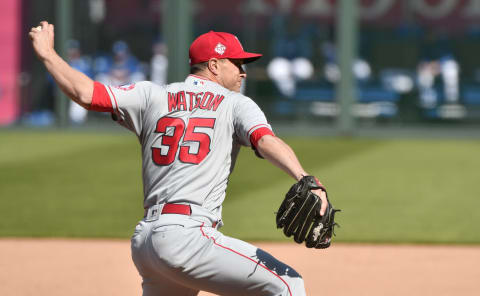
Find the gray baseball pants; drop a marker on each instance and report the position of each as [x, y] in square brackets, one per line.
[181, 255]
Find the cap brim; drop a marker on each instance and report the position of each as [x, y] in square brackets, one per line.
[248, 57]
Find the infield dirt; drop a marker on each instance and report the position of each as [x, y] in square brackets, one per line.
[103, 267]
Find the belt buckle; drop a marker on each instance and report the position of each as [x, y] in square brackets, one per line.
[153, 213]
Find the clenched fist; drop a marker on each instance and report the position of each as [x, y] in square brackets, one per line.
[43, 40]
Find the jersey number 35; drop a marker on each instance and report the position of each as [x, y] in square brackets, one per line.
[174, 132]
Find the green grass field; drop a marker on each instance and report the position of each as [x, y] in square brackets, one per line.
[79, 184]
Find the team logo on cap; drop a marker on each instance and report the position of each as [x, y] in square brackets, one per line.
[220, 48]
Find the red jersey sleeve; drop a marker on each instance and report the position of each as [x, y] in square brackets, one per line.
[100, 99]
[258, 134]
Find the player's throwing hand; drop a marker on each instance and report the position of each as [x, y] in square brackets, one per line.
[42, 38]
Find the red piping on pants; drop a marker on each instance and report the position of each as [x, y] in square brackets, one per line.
[246, 257]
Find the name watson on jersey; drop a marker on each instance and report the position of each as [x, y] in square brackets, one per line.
[183, 101]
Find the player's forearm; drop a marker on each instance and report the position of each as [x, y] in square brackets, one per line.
[76, 85]
[281, 155]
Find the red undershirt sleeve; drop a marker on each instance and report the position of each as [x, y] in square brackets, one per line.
[258, 134]
[100, 99]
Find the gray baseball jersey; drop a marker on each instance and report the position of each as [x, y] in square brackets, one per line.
[191, 133]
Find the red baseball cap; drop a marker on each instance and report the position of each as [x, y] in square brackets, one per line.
[219, 45]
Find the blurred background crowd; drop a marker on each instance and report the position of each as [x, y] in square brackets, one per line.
[416, 61]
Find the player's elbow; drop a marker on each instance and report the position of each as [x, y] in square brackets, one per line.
[265, 143]
[84, 101]
[265, 140]
[83, 95]
[270, 145]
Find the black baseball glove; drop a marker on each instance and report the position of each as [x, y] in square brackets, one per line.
[299, 215]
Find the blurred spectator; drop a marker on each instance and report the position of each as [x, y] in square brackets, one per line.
[102, 64]
[361, 68]
[159, 63]
[292, 51]
[243, 87]
[437, 60]
[43, 114]
[82, 63]
[122, 68]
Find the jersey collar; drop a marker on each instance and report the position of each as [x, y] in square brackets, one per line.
[197, 80]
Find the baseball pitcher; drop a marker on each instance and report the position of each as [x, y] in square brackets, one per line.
[190, 134]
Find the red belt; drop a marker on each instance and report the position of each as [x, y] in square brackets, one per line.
[171, 208]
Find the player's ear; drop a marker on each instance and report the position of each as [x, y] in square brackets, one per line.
[214, 66]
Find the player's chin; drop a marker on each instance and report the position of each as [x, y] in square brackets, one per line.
[236, 88]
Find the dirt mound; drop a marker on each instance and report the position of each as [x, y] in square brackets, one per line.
[103, 267]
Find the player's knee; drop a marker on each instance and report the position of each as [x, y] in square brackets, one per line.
[294, 287]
